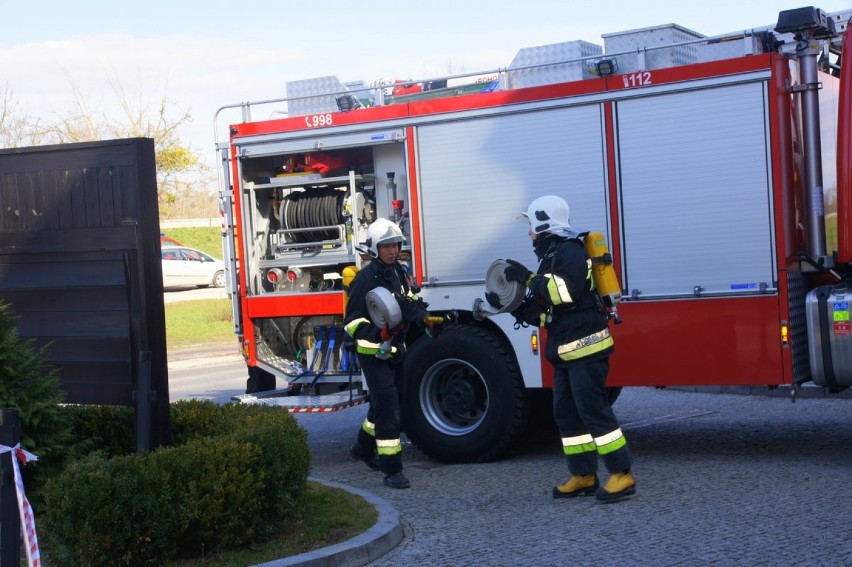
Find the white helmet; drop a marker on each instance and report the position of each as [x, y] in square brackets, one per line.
[382, 231]
[547, 214]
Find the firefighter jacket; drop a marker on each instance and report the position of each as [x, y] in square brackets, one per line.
[572, 309]
[357, 322]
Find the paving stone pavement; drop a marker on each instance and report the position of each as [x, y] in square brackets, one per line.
[721, 479]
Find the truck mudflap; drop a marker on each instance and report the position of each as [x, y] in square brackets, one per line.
[305, 403]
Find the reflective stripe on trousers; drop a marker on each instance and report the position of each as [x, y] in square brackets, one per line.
[586, 422]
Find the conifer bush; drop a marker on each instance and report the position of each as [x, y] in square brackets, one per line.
[29, 385]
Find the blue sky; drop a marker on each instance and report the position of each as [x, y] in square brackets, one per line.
[208, 54]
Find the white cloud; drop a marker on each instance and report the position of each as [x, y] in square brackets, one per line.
[204, 56]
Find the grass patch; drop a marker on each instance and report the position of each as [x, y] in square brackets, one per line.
[326, 516]
[205, 238]
[202, 321]
[199, 321]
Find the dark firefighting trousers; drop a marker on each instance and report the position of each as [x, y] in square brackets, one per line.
[381, 429]
[585, 419]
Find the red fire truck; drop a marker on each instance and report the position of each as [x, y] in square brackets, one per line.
[717, 168]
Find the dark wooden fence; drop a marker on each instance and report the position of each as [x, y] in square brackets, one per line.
[80, 268]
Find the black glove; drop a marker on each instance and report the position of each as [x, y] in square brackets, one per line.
[493, 300]
[433, 326]
[528, 313]
[517, 272]
[388, 333]
[414, 311]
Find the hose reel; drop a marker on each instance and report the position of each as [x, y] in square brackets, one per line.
[321, 207]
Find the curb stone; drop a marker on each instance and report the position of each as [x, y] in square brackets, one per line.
[359, 550]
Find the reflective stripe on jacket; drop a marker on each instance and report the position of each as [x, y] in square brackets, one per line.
[357, 323]
[364, 346]
[576, 325]
[589, 345]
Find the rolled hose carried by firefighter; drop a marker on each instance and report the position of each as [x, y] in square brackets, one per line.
[384, 310]
[510, 293]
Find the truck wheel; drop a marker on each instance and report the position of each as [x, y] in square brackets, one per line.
[259, 380]
[464, 396]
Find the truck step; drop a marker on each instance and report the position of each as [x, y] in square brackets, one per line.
[304, 403]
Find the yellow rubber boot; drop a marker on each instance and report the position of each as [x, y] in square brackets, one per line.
[620, 485]
[577, 485]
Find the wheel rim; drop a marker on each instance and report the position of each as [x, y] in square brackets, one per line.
[219, 279]
[454, 397]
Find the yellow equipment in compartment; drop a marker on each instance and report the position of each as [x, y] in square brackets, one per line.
[603, 272]
[349, 273]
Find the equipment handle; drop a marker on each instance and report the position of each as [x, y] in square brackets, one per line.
[384, 352]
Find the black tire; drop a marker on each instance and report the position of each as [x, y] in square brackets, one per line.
[259, 380]
[464, 397]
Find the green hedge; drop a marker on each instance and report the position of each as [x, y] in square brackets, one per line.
[232, 478]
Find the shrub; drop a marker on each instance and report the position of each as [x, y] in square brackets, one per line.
[118, 511]
[232, 477]
[222, 482]
[286, 477]
[32, 387]
[107, 430]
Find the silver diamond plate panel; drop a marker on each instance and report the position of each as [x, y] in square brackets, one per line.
[549, 74]
[729, 49]
[627, 43]
[306, 404]
[314, 96]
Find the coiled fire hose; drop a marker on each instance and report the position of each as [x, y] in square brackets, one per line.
[510, 293]
[385, 312]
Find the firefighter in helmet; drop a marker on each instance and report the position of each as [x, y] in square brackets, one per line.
[562, 297]
[378, 443]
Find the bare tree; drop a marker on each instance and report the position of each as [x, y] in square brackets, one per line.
[16, 128]
[179, 169]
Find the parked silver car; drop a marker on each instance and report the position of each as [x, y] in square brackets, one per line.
[184, 266]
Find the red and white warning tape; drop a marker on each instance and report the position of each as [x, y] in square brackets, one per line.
[26, 512]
